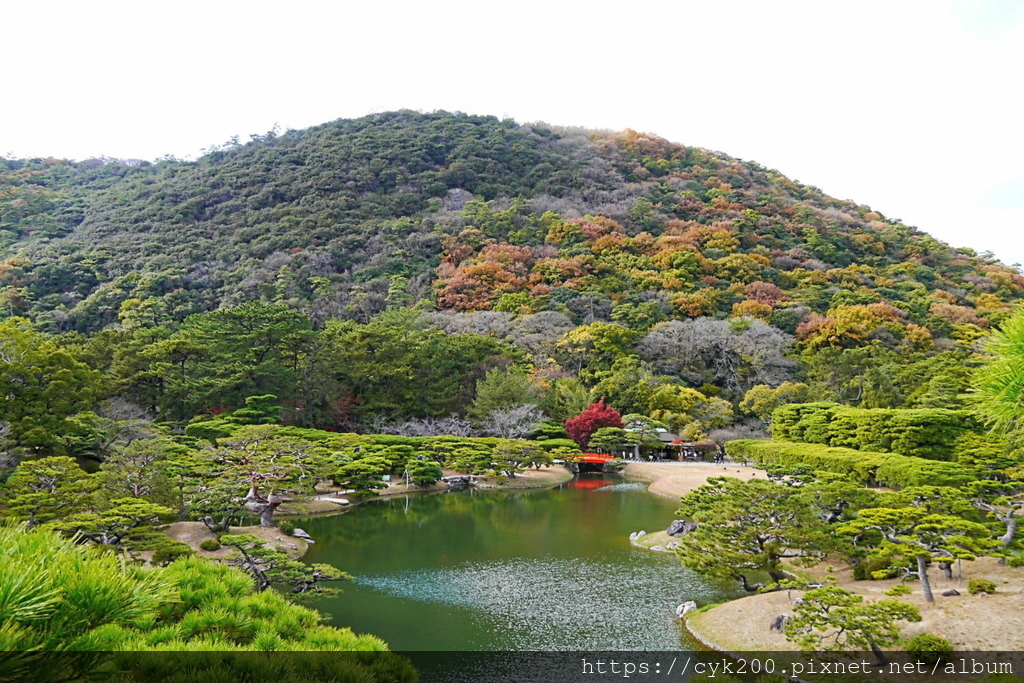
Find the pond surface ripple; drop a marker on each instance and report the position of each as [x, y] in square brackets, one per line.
[548, 569]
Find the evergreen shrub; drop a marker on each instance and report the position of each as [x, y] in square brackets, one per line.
[868, 468]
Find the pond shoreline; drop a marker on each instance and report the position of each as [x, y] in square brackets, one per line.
[667, 480]
[193, 533]
[547, 477]
[674, 480]
[490, 563]
[740, 625]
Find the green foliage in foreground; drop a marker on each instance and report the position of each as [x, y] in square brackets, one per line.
[1000, 383]
[60, 595]
[833, 619]
[884, 469]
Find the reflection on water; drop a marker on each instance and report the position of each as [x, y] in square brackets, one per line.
[624, 486]
[499, 570]
[532, 604]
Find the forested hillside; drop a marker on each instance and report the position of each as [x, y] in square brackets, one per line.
[378, 269]
[325, 218]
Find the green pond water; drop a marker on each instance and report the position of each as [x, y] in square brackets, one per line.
[547, 569]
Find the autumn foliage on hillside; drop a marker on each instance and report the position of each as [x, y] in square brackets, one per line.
[348, 218]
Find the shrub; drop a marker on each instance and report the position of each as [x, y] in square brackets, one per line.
[929, 433]
[899, 471]
[209, 545]
[928, 648]
[426, 442]
[886, 469]
[976, 586]
[874, 567]
[551, 444]
[899, 589]
[425, 473]
[211, 430]
[168, 553]
[286, 527]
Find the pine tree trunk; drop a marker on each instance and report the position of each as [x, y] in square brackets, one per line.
[922, 573]
[267, 511]
[882, 661]
[1011, 531]
[746, 585]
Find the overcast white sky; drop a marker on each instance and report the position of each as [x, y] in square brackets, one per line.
[912, 107]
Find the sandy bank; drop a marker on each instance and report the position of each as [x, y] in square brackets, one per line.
[991, 623]
[674, 479]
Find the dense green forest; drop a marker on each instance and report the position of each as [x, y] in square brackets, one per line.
[373, 271]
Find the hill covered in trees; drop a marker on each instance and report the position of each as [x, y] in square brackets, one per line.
[393, 267]
[462, 209]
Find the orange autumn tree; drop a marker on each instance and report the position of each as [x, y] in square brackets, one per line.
[475, 284]
[851, 326]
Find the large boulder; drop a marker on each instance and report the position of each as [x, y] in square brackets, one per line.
[680, 527]
[779, 623]
[687, 606]
[459, 481]
[300, 533]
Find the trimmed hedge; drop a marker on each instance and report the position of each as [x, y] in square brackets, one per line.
[469, 454]
[884, 469]
[930, 433]
[458, 452]
[552, 444]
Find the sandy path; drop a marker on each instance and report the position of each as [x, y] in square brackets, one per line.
[674, 479]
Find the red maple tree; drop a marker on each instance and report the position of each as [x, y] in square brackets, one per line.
[597, 415]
